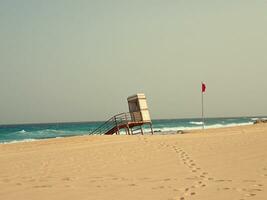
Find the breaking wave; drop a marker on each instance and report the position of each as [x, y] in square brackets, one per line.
[22, 131]
[188, 128]
[18, 141]
[196, 123]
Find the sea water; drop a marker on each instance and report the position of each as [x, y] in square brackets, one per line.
[31, 132]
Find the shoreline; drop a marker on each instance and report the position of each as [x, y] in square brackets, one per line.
[156, 132]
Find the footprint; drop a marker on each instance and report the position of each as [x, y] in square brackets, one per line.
[192, 193]
[258, 185]
[250, 195]
[144, 178]
[219, 180]
[66, 179]
[192, 178]
[42, 186]
[256, 190]
[253, 181]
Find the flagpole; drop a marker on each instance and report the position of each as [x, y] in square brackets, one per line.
[202, 107]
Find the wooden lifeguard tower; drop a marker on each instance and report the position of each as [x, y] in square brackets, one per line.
[131, 121]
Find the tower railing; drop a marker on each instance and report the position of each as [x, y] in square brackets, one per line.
[117, 120]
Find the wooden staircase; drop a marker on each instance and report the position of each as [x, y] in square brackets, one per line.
[124, 121]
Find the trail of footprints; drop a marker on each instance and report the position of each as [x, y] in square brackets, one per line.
[201, 179]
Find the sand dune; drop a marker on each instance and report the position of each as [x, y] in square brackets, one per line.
[228, 163]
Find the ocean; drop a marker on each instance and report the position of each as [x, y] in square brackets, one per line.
[32, 132]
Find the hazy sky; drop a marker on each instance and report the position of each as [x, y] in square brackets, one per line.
[80, 60]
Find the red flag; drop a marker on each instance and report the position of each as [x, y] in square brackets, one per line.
[203, 87]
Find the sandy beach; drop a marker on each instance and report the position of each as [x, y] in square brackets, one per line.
[227, 163]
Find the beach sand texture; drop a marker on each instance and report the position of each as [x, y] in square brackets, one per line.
[227, 163]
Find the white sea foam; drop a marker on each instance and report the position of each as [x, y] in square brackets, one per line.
[196, 123]
[45, 131]
[19, 141]
[254, 118]
[258, 118]
[59, 132]
[171, 129]
[229, 125]
[22, 131]
[27, 140]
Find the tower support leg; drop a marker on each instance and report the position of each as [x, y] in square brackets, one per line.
[152, 132]
[142, 132]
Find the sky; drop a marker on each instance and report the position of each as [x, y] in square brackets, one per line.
[64, 61]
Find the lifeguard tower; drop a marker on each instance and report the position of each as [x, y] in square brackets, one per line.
[131, 121]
